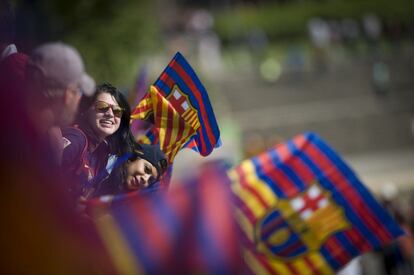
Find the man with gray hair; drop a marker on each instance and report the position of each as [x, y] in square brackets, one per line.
[37, 214]
[56, 79]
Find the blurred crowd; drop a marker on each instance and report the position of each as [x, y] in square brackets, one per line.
[396, 258]
[369, 28]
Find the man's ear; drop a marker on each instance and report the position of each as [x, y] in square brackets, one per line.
[70, 94]
[66, 95]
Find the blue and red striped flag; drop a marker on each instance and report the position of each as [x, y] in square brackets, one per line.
[180, 107]
[302, 210]
[187, 230]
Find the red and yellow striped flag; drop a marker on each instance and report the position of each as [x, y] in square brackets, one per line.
[174, 129]
[179, 106]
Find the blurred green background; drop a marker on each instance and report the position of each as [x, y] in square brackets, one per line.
[115, 37]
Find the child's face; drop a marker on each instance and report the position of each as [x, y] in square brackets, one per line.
[140, 174]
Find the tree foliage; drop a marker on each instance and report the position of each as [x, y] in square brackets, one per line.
[290, 19]
[112, 36]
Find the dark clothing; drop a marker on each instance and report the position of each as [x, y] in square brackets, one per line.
[12, 79]
[13, 67]
[86, 168]
[12, 83]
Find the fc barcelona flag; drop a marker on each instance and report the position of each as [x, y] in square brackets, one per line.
[302, 210]
[181, 111]
[185, 231]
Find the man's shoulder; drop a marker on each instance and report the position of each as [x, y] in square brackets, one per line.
[75, 144]
[15, 61]
[13, 68]
[73, 136]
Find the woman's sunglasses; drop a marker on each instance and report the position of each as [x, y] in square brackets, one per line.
[102, 106]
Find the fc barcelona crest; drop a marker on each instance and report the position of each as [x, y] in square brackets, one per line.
[182, 104]
[300, 224]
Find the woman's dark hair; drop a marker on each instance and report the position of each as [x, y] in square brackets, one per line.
[122, 140]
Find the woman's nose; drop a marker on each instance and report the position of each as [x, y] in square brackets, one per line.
[109, 113]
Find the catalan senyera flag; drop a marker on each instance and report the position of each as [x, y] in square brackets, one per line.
[185, 231]
[302, 210]
[181, 111]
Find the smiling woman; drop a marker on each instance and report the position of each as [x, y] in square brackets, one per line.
[104, 116]
[101, 133]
